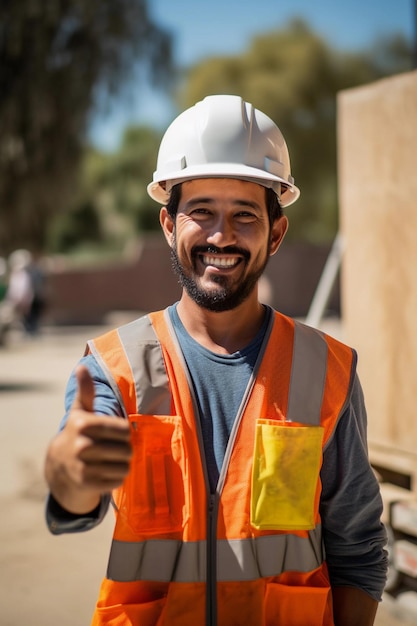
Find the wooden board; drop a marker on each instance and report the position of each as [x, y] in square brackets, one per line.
[377, 146]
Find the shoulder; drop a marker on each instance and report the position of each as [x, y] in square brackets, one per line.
[308, 335]
[137, 331]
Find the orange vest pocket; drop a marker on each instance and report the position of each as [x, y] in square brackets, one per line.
[154, 498]
[146, 614]
[285, 472]
[286, 605]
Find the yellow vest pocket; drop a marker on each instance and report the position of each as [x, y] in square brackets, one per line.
[285, 472]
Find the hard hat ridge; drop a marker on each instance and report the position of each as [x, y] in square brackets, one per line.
[223, 136]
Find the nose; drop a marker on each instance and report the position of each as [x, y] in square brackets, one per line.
[223, 232]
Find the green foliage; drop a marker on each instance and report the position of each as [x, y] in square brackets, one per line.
[57, 59]
[64, 235]
[294, 76]
[115, 185]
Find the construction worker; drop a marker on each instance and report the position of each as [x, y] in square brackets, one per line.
[236, 456]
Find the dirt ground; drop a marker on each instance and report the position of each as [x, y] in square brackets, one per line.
[47, 580]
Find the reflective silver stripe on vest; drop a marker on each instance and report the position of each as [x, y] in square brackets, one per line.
[144, 354]
[308, 375]
[237, 559]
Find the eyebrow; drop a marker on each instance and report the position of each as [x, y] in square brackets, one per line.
[209, 200]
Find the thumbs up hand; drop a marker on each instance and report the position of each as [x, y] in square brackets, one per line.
[90, 456]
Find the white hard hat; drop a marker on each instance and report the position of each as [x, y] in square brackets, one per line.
[223, 136]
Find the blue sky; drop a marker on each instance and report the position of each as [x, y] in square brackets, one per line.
[220, 27]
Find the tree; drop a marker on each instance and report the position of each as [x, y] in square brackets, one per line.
[113, 186]
[294, 76]
[56, 58]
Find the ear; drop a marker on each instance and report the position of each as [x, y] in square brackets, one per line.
[167, 225]
[278, 230]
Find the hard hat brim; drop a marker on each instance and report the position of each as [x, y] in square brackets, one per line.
[159, 190]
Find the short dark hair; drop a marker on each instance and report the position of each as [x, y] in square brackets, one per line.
[174, 200]
[272, 203]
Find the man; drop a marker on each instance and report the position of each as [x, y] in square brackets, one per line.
[236, 455]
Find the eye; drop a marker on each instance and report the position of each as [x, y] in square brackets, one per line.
[200, 213]
[246, 216]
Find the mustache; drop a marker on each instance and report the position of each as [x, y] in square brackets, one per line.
[196, 250]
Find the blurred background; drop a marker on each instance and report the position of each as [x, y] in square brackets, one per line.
[87, 89]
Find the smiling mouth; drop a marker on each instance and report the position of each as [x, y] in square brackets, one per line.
[220, 262]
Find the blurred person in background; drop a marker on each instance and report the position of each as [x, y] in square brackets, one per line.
[26, 290]
[39, 299]
[19, 294]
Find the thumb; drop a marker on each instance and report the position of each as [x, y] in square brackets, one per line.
[84, 399]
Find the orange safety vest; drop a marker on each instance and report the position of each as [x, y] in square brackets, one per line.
[252, 553]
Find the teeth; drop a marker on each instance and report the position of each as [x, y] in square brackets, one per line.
[219, 262]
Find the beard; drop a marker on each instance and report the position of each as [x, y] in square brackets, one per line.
[225, 297]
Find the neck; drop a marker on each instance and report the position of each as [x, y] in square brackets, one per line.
[225, 332]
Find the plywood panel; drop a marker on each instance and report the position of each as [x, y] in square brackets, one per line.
[377, 144]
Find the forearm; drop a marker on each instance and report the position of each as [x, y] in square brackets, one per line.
[351, 508]
[353, 607]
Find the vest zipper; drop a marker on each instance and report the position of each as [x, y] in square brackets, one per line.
[211, 580]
